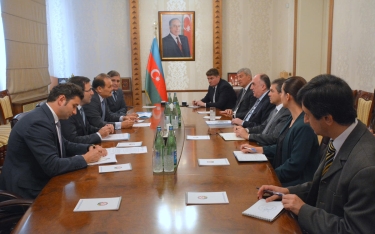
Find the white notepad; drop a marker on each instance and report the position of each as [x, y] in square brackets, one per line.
[265, 210]
[231, 136]
[97, 204]
[198, 198]
[128, 150]
[114, 168]
[138, 125]
[203, 112]
[208, 117]
[249, 157]
[128, 144]
[148, 106]
[213, 162]
[117, 137]
[110, 158]
[219, 122]
[198, 137]
[144, 114]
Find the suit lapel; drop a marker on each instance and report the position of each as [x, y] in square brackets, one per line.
[54, 129]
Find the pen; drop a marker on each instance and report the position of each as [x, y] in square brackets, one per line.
[252, 149]
[272, 192]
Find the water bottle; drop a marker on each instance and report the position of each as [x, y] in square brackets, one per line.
[175, 98]
[169, 98]
[157, 158]
[167, 115]
[174, 116]
[178, 113]
[170, 156]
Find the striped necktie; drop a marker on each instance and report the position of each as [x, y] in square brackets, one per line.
[58, 128]
[83, 116]
[103, 110]
[213, 101]
[114, 96]
[329, 157]
[248, 115]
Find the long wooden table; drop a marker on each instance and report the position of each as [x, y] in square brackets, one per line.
[155, 203]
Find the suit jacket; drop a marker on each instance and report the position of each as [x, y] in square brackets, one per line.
[277, 124]
[260, 113]
[75, 130]
[170, 47]
[342, 201]
[119, 106]
[33, 155]
[245, 104]
[93, 112]
[298, 153]
[225, 97]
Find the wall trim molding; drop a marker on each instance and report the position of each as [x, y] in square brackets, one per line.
[217, 35]
[330, 27]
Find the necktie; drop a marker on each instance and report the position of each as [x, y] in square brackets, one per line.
[248, 115]
[83, 115]
[103, 110]
[114, 96]
[179, 43]
[329, 157]
[239, 102]
[213, 99]
[58, 128]
[272, 116]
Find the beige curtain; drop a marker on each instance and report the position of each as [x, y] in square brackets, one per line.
[25, 32]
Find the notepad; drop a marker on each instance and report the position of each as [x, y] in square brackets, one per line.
[249, 157]
[97, 204]
[117, 137]
[128, 144]
[231, 136]
[213, 162]
[144, 114]
[110, 158]
[200, 137]
[142, 125]
[203, 112]
[200, 198]
[217, 122]
[268, 211]
[208, 117]
[146, 107]
[127, 150]
[114, 168]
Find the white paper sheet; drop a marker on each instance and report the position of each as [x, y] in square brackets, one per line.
[110, 158]
[148, 106]
[140, 125]
[114, 168]
[198, 198]
[219, 122]
[249, 157]
[203, 112]
[117, 137]
[230, 136]
[128, 144]
[97, 204]
[129, 150]
[201, 137]
[208, 117]
[213, 162]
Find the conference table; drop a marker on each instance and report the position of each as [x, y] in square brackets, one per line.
[155, 203]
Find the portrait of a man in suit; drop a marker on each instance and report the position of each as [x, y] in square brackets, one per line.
[174, 44]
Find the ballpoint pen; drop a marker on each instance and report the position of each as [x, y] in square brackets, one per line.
[272, 192]
[252, 149]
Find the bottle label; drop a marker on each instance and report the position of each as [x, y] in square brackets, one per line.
[175, 157]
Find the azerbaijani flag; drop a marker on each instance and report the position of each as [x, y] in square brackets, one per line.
[187, 31]
[155, 83]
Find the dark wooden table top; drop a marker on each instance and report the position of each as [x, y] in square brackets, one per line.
[155, 203]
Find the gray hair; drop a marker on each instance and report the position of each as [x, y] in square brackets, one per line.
[245, 70]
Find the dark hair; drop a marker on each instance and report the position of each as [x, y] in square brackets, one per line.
[113, 73]
[99, 80]
[279, 83]
[292, 85]
[81, 81]
[329, 95]
[69, 90]
[212, 72]
[266, 80]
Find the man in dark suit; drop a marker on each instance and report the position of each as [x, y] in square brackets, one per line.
[268, 132]
[175, 45]
[37, 151]
[116, 102]
[220, 93]
[340, 197]
[77, 128]
[262, 107]
[97, 111]
[245, 99]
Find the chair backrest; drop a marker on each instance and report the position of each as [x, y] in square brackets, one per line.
[17, 118]
[6, 106]
[364, 102]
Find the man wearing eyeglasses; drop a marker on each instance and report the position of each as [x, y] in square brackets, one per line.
[77, 128]
[220, 93]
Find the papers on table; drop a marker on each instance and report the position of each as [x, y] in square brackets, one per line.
[114, 168]
[117, 137]
[142, 125]
[193, 107]
[213, 162]
[202, 137]
[217, 122]
[129, 150]
[96, 204]
[208, 117]
[249, 157]
[110, 158]
[148, 106]
[265, 210]
[231, 136]
[203, 112]
[199, 198]
[128, 144]
[140, 120]
[144, 114]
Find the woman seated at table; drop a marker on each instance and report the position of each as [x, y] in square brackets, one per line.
[295, 156]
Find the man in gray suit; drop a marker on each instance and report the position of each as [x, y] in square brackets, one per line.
[340, 199]
[268, 132]
[245, 99]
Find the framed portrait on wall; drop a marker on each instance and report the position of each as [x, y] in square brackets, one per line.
[232, 78]
[126, 84]
[176, 35]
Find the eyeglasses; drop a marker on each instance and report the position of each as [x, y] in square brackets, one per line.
[88, 90]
